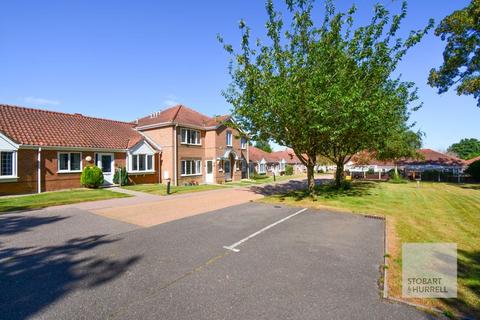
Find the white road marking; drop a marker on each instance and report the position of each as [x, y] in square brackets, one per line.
[236, 244]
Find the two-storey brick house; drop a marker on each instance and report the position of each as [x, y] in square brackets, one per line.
[196, 148]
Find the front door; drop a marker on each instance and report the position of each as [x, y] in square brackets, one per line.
[209, 171]
[105, 161]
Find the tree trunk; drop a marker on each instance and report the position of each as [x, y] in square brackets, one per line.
[310, 178]
[339, 174]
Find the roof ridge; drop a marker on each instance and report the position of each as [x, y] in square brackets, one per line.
[63, 113]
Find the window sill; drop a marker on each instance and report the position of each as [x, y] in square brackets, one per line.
[140, 172]
[191, 175]
[8, 179]
[70, 171]
[191, 144]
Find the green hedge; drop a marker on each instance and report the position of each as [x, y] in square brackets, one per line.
[92, 177]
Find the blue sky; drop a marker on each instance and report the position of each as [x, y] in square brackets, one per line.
[125, 59]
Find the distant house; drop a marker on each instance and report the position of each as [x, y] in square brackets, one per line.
[262, 162]
[428, 160]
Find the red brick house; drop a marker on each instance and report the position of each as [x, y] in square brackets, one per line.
[45, 151]
[262, 162]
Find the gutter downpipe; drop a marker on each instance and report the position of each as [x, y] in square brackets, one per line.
[175, 156]
[39, 171]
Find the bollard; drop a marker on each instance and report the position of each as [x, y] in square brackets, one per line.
[168, 186]
[274, 177]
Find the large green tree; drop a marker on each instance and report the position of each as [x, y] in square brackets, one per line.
[466, 148]
[322, 90]
[400, 144]
[461, 57]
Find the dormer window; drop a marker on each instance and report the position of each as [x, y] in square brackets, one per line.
[229, 138]
[190, 136]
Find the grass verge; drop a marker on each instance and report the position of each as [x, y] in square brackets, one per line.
[432, 212]
[48, 199]
[161, 189]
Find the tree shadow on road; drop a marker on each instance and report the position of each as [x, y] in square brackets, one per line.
[12, 224]
[32, 278]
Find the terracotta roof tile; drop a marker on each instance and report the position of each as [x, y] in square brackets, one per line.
[48, 128]
[469, 162]
[182, 115]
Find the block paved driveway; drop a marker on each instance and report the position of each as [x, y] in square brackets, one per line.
[67, 263]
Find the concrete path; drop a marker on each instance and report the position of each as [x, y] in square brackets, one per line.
[150, 212]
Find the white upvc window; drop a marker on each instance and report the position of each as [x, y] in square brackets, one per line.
[243, 143]
[69, 162]
[190, 136]
[282, 165]
[141, 163]
[262, 167]
[191, 167]
[8, 164]
[229, 138]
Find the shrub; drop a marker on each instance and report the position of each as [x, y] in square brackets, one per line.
[259, 176]
[92, 177]
[288, 170]
[121, 173]
[371, 171]
[474, 170]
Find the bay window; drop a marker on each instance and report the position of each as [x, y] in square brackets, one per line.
[190, 136]
[69, 162]
[141, 163]
[191, 167]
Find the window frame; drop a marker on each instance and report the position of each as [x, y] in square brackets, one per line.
[243, 143]
[186, 133]
[134, 161]
[14, 165]
[194, 164]
[229, 138]
[69, 162]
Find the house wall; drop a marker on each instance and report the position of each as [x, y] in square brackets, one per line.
[221, 147]
[191, 152]
[26, 172]
[144, 177]
[164, 138]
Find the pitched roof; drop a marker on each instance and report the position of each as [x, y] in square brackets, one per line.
[427, 157]
[286, 154]
[470, 161]
[37, 127]
[433, 157]
[257, 154]
[181, 114]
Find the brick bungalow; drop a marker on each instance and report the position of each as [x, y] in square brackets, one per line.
[262, 162]
[45, 151]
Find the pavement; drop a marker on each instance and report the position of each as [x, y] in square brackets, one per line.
[67, 263]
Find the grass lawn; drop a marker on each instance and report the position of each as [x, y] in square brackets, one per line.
[264, 179]
[434, 212]
[48, 199]
[161, 189]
